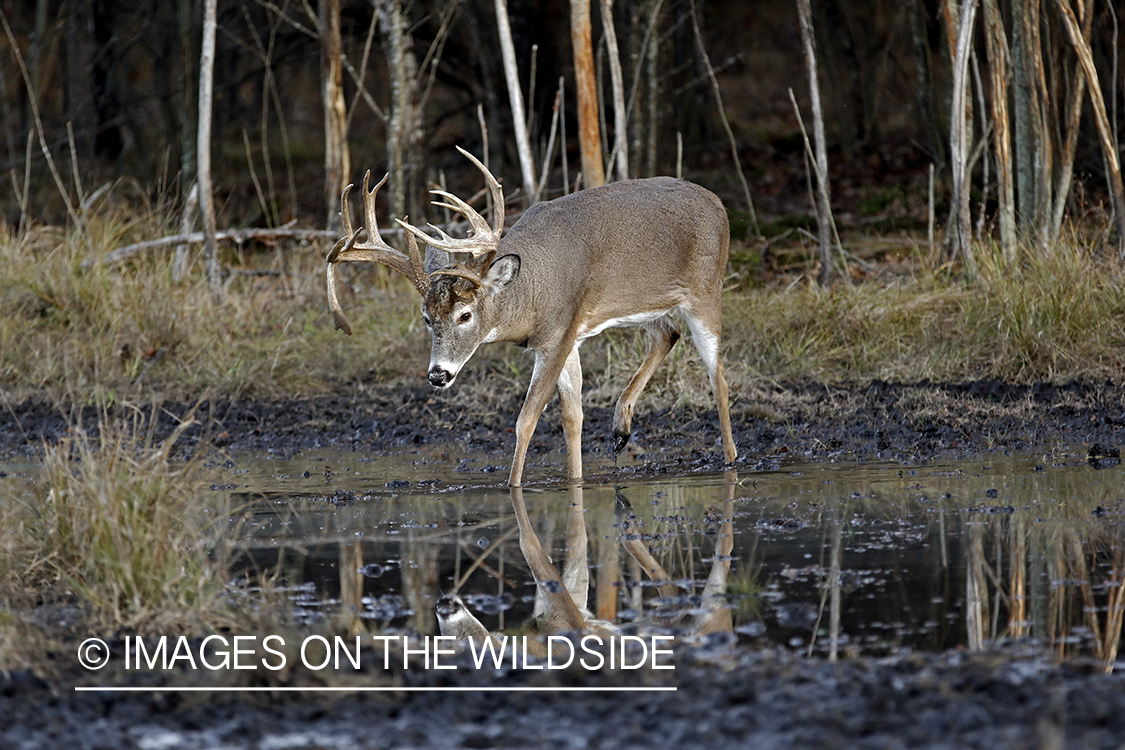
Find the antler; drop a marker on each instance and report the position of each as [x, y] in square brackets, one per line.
[374, 250]
[483, 238]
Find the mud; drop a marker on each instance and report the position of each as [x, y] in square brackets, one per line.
[729, 694]
[900, 421]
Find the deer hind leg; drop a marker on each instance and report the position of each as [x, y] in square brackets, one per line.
[705, 336]
[665, 333]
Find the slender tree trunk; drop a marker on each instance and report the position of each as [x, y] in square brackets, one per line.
[620, 115]
[1101, 119]
[403, 130]
[589, 131]
[1029, 126]
[515, 98]
[824, 190]
[960, 136]
[1073, 120]
[999, 69]
[203, 141]
[185, 21]
[337, 161]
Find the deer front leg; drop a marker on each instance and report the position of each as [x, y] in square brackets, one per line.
[559, 608]
[549, 365]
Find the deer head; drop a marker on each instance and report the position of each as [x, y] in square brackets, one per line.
[456, 298]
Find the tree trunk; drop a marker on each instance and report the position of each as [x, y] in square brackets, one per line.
[403, 129]
[589, 131]
[824, 190]
[203, 139]
[960, 136]
[337, 161]
[999, 69]
[620, 116]
[515, 98]
[186, 28]
[1029, 130]
[1101, 119]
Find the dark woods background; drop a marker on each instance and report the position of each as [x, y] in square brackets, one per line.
[125, 75]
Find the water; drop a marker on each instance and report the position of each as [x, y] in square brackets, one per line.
[854, 558]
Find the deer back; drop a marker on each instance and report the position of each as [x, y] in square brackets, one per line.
[625, 249]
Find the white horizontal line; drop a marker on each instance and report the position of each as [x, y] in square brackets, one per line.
[110, 689]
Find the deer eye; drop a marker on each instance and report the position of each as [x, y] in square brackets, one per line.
[426, 320]
[465, 317]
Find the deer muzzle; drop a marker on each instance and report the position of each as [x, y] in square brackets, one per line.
[440, 377]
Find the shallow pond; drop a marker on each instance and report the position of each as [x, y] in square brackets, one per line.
[853, 558]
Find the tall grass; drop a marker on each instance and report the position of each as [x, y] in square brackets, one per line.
[113, 335]
[1059, 315]
[125, 530]
[129, 333]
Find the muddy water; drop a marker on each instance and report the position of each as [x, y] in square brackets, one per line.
[854, 558]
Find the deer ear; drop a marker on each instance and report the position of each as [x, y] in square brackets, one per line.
[501, 273]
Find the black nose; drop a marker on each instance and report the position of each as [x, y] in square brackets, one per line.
[439, 378]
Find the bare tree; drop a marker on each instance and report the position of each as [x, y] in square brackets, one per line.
[337, 161]
[620, 155]
[203, 141]
[996, 43]
[824, 191]
[404, 132]
[960, 135]
[1101, 119]
[515, 97]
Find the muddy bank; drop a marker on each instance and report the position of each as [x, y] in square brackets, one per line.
[726, 697]
[729, 694]
[890, 420]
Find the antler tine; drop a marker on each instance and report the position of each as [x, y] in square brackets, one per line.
[345, 212]
[494, 187]
[462, 271]
[373, 250]
[483, 238]
[369, 206]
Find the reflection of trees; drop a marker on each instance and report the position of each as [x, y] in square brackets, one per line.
[1069, 568]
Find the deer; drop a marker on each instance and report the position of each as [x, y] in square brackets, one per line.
[630, 253]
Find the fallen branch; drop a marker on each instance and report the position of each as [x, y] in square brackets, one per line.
[121, 254]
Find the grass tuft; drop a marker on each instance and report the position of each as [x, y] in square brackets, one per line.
[124, 528]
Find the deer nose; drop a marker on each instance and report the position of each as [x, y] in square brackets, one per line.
[440, 378]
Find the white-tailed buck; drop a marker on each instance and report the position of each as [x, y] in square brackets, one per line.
[626, 254]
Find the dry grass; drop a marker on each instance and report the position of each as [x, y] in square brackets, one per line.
[129, 334]
[122, 530]
[119, 335]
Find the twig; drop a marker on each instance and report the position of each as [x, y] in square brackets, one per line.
[38, 121]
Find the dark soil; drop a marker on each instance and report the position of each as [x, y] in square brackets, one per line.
[903, 421]
[726, 697]
[729, 695]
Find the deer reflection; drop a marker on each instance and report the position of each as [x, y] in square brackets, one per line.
[561, 600]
